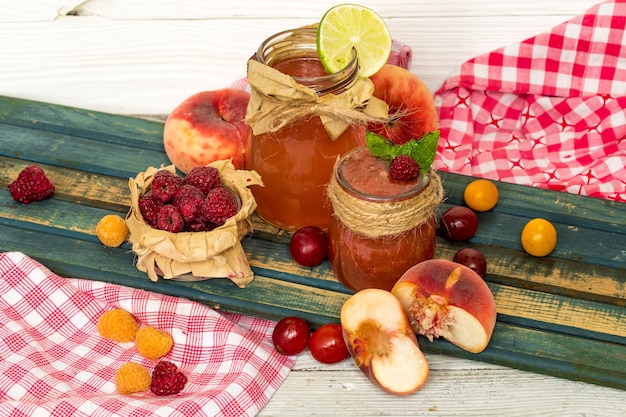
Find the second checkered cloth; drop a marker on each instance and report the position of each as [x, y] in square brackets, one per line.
[548, 112]
[53, 362]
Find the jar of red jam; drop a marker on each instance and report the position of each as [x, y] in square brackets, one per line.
[380, 227]
[296, 161]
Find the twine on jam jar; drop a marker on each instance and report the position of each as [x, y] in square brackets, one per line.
[376, 219]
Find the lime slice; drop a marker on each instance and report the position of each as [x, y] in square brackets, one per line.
[349, 26]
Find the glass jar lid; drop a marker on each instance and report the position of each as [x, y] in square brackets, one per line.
[302, 43]
[365, 176]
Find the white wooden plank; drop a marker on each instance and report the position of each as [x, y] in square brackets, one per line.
[201, 9]
[35, 10]
[148, 67]
[305, 362]
[455, 387]
[42, 10]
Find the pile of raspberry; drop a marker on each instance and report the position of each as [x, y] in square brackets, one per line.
[121, 326]
[197, 202]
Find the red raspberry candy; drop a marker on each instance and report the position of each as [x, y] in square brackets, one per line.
[31, 185]
[165, 185]
[167, 379]
[149, 207]
[169, 219]
[219, 205]
[403, 168]
[204, 178]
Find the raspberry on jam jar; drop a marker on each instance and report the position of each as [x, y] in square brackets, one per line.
[380, 227]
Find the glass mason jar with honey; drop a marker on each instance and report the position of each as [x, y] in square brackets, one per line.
[294, 111]
[380, 227]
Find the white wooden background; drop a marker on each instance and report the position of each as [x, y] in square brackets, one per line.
[143, 57]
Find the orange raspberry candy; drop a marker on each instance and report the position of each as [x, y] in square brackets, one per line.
[132, 377]
[118, 325]
[152, 343]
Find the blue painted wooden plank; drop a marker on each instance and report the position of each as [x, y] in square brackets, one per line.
[65, 120]
[77, 153]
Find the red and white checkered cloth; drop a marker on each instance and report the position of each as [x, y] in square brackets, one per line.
[548, 112]
[54, 363]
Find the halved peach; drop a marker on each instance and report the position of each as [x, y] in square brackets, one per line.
[379, 337]
[446, 299]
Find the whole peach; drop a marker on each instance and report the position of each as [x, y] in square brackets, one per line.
[409, 100]
[206, 127]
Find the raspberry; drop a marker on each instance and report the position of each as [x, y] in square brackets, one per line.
[403, 168]
[132, 377]
[31, 185]
[219, 205]
[165, 185]
[204, 178]
[118, 325]
[169, 219]
[199, 225]
[189, 200]
[149, 206]
[167, 379]
[152, 343]
[112, 230]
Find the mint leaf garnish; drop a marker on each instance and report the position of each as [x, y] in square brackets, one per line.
[381, 147]
[422, 150]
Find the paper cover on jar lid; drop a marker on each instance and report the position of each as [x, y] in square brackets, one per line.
[277, 100]
[548, 112]
[195, 255]
[54, 362]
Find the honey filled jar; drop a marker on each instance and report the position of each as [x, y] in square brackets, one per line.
[380, 227]
[302, 119]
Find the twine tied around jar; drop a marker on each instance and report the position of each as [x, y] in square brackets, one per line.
[277, 100]
[376, 219]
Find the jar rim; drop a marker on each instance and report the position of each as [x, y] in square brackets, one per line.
[305, 39]
[419, 184]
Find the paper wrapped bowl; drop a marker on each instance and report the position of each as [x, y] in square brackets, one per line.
[195, 256]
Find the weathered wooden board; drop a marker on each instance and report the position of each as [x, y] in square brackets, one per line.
[563, 315]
